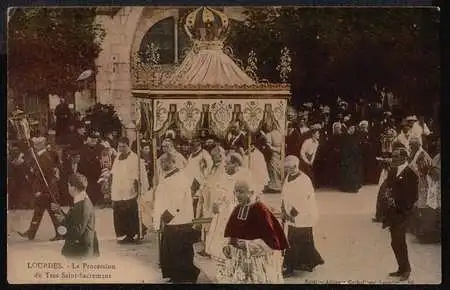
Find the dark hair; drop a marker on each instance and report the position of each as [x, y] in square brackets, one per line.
[79, 181]
[124, 140]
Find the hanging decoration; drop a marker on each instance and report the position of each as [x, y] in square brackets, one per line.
[253, 115]
[252, 65]
[161, 114]
[221, 116]
[284, 68]
[189, 116]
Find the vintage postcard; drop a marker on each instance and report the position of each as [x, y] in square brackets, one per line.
[212, 144]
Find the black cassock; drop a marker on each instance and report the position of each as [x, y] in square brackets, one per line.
[177, 253]
[350, 164]
[91, 168]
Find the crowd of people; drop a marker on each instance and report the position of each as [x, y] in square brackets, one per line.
[223, 179]
[83, 144]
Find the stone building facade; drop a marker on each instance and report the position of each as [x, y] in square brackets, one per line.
[125, 29]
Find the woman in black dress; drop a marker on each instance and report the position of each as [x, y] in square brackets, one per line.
[334, 148]
[350, 163]
[368, 150]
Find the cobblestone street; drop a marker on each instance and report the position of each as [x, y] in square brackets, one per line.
[355, 249]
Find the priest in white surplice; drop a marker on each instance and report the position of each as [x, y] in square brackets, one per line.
[124, 192]
[299, 210]
[234, 166]
[218, 203]
[168, 146]
[198, 168]
[172, 219]
[258, 168]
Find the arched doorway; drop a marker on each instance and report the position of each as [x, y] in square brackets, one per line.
[168, 39]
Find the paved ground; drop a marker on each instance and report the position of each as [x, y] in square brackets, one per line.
[355, 249]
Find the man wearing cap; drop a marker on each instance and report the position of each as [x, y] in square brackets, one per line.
[45, 191]
[400, 195]
[255, 240]
[90, 166]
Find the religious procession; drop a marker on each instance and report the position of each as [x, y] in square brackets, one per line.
[223, 175]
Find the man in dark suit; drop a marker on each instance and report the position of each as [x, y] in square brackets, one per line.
[236, 139]
[90, 166]
[400, 195]
[69, 167]
[63, 114]
[78, 225]
[44, 190]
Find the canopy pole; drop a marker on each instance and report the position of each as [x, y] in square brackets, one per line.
[249, 140]
[283, 148]
[139, 185]
[154, 155]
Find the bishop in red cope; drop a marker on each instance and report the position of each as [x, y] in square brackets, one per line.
[255, 241]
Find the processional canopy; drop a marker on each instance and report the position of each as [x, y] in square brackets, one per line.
[208, 84]
[207, 64]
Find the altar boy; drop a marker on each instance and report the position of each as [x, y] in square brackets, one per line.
[124, 192]
[172, 219]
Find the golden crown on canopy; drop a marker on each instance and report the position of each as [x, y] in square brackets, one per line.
[207, 25]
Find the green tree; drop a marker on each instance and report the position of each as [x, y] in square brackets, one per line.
[49, 47]
[343, 52]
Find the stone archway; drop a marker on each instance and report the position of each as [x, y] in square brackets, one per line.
[125, 30]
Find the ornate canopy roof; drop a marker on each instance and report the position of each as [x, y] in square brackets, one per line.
[207, 64]
[207, 67]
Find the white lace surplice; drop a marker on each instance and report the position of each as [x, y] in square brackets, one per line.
[264, 267]
[222, 187]
[258, 169]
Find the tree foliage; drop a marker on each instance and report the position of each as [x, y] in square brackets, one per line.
[344, 52]
[49, 47]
